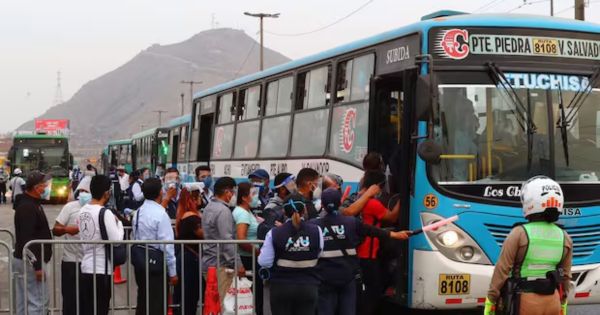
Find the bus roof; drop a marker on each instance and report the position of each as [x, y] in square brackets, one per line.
[145, 133]
[182, 120]
[40, 136]
[118, 142]
[482, 20]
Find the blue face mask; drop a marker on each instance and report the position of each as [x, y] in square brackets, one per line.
[207, 182]
[84, 198]
[46, 193]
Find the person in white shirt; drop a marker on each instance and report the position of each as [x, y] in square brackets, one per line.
[151, 222]
[123, 178]
[94, 265]
[67, 223]
[16, 185]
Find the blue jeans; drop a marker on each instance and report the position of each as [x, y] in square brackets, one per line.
[37, 291]
[337, 299]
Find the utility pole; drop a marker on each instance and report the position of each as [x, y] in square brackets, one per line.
[142, 126]
[551, 7]
[261, 16]
[182, 109]
[191, 83]
[580, 10]
[159, 112]
[58, 99]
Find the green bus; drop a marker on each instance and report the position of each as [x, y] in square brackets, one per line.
[46, 153]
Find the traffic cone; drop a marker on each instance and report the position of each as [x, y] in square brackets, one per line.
[212, 302]
[117, 276]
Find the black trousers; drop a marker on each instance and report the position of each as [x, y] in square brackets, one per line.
[370, 298]
[294, 299]
[191, 288]
[69, 271]
[102, 295]
[3, 192]
[156, 292]
[258, 284]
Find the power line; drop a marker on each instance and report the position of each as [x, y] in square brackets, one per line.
[245, 60]
[487, 6]
[526, 3]
[323, 27]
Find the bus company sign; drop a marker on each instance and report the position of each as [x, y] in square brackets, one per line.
[459, 44]
[52, 126]
[397, 55]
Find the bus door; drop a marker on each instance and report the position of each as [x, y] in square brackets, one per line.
[175, 148]
[205, 139]
[392, 99]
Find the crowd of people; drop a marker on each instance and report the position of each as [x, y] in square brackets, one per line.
[319, 256]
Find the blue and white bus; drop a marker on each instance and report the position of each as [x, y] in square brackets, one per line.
[462, 107]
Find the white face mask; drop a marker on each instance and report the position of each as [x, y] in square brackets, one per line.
[233, 201]
[84, 198]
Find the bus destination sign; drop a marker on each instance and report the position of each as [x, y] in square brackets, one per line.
[461, 43]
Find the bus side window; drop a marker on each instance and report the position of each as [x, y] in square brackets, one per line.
[344, 77]
[314, 88]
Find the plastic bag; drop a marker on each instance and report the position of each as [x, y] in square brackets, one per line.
[245, 304]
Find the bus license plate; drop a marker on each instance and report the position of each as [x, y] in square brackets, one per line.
[542, 46]
[453, 284]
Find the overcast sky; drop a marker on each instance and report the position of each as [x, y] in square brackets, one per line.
[85, 39]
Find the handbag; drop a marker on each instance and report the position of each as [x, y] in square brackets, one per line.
[155, 258]
[119, 252]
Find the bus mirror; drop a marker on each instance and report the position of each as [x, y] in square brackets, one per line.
[424, 97]
[430, 151]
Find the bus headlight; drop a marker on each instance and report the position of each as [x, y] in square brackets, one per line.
[62, 191]
[449, 238]
[453, 242]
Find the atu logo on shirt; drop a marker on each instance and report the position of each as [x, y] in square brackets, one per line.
[339, 230]
[302, 244]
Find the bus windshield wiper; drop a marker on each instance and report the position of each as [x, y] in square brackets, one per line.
[580, 97]
[563, 124]
[523, 114]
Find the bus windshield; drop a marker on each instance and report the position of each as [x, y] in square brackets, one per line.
[50, 159]
[492, 134]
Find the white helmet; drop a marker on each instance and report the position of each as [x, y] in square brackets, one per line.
[539, 193]
[17, 171]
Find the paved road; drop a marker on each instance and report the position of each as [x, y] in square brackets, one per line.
[6, 222]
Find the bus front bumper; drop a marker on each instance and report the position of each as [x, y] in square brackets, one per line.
[430, 268]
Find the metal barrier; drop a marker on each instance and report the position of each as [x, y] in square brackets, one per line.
[9, 280]
[117, 294]
[10, 234]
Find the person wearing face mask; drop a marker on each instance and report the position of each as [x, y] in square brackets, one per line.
[218, 224]
[246, 226]
[291, 253]
[309, 186]
[66, 224]
[261, 180]
[204, 175]
[31, 224]
[96, 269]
[160, 171]
[171, 190]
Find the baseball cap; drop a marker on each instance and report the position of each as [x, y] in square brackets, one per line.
[17, 171]
[259, 173]
[120, 167]
[331, 199]
[35, 178]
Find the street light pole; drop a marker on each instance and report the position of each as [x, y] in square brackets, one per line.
[159, 112]
[551, 7]
[261, 16]
[182, 110]
[191, 83]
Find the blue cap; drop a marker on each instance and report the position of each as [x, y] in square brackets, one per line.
[259, 173]
[331, 199]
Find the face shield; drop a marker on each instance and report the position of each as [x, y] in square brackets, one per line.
[289, 184]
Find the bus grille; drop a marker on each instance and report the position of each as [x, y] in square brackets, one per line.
[586, 238]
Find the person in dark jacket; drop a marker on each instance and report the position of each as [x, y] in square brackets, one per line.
[338, 264]
[31, 224]
[291, 251]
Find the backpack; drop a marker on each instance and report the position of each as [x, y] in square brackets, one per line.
[270, 215]
[119, 252]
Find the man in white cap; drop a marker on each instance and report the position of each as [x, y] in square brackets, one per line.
[16, 185]
[67, 223]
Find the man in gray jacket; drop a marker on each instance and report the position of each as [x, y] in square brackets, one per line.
[218, 224]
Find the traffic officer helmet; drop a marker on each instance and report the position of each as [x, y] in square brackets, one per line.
[540, 193]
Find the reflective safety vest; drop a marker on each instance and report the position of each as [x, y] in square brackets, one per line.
[544, 251]
[296, 253]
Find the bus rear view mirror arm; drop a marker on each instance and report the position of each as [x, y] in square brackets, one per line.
[430, 151]
[424, 98]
